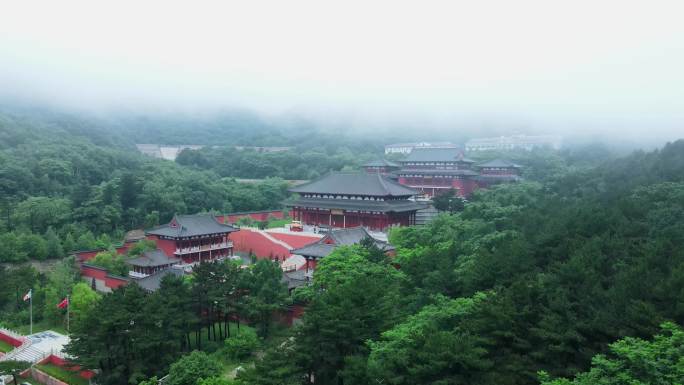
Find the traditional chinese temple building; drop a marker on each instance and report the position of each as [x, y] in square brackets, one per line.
[315, 251]
[498, 171]
[434, 170]
[151, 262]
[193, 238]
[355, 199]
[382, 166]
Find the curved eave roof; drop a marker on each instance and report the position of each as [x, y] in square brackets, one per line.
[190, 226]
[436, 155]
[360, 184]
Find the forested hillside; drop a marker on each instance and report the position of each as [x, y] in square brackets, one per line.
[65, 186]
[528, 278]
[574, 276]
[303, 164]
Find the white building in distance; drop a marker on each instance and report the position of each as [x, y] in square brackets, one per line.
[165, 152]
[406, 148]
[515, 142]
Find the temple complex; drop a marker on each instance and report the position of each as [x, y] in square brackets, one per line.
[355, 199]
[432, 171]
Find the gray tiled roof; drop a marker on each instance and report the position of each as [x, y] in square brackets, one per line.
[354, 184]
[153, 282]
[348, 236]
[153, 258]
[295, 279]
[341, 237]
[436, 155]
[191, 225]
[498, 163]
[316, 250]
[397, 206]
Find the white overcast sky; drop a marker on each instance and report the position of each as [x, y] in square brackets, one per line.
[614, 66]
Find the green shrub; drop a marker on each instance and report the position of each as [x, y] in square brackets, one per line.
[241, 345]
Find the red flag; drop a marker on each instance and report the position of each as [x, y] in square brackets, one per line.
[64, 303]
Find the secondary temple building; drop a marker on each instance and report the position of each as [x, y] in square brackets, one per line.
[435, 170]
[193, 238]
[320, 249]
[355, 199]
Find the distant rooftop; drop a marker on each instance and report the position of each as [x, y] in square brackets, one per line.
[153, 258]
[514, 142]
[360, 184]
[436, 155]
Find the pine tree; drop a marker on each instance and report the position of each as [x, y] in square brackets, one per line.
[54, 246]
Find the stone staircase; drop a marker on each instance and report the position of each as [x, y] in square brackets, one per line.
[25, 352]
[10, 356]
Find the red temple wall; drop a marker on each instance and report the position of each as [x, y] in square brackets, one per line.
[168, 246]
[10, 340]
[115, 282]
[93, 272]
[58, 361]
[291, 315]
[465, 186]
[373, 221]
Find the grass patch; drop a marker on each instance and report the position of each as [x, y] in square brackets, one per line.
[278, 223]
[58, 372]
[5, 347]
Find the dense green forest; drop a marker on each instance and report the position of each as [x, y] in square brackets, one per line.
[529, 278]
[575, 276]
[305, 164]
[63, 187]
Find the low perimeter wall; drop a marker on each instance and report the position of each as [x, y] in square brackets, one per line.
[45, 379]
[10, 340]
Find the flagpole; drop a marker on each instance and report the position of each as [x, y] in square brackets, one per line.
[31, 310]
[68, 308]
